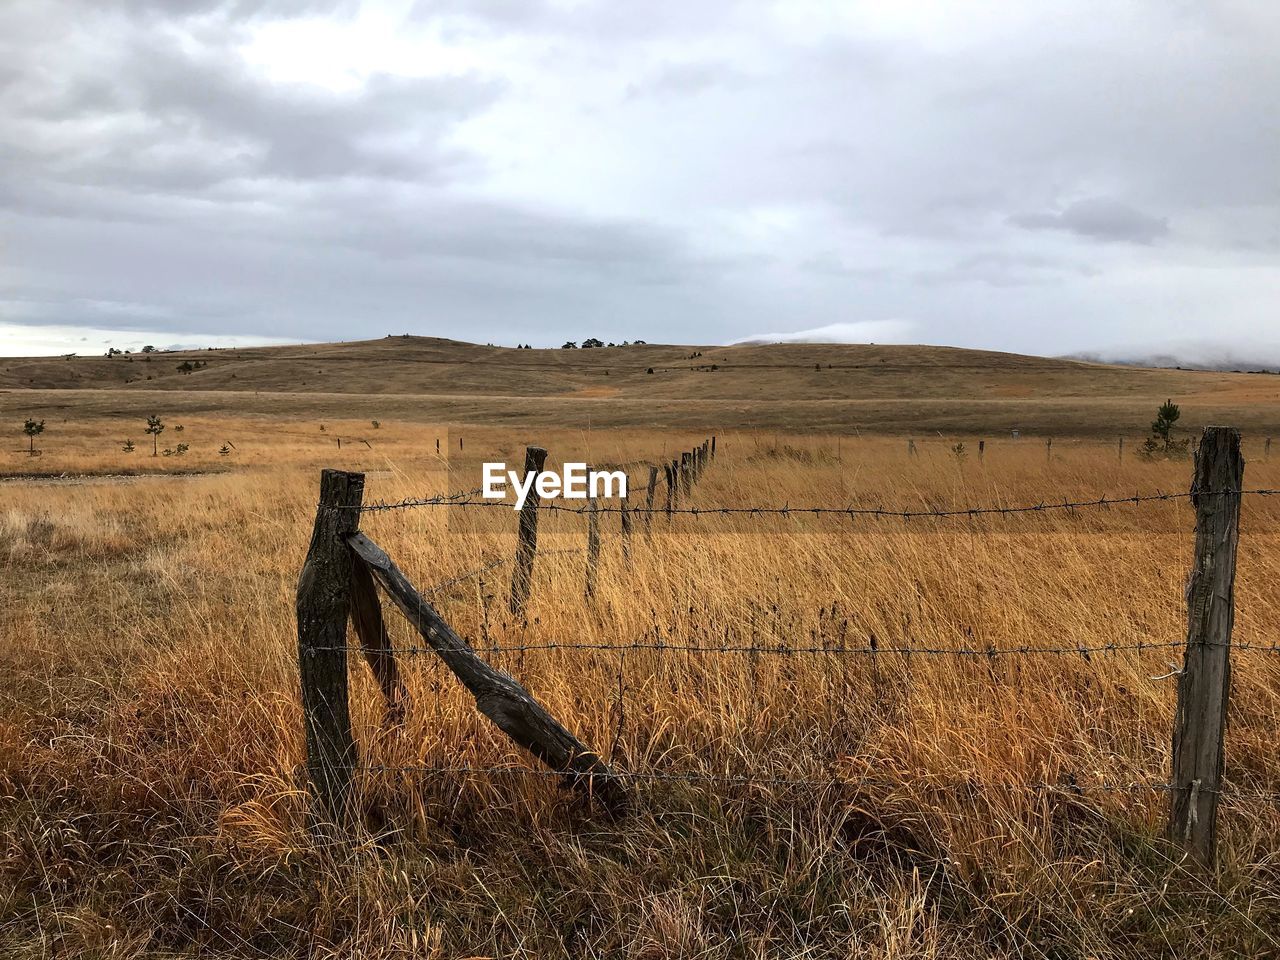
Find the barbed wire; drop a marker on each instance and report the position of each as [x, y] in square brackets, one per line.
[872, 650]
[1067, 785]
[459, 500]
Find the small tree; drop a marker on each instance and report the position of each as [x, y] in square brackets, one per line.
[33, 429]
[1161, 443]
[128, 446]
[155, 427]
[223, 450]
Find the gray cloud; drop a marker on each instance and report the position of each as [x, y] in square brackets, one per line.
[1099, 218]
[527, 170]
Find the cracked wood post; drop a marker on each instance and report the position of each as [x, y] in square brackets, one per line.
[498, 695]
[686, 473]
[323, 606]
[982, 449]
[527, 546]
[669, 472]
[593, 538]
[648, 498]
[1204, 684]
[713, 446]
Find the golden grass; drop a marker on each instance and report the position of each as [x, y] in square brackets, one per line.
[150, 731]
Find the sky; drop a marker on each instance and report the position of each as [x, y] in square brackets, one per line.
[1037, 177]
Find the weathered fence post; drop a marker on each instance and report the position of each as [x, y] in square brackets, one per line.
[686, 473]
[1120, 451]
[1266, 449]
[1048, 448]
[713, 446]
[911, 448]
[323, 606]
[593, 538]
[982, 449]
[625, 514]
[1204, 683]
[527, 546]
[648, 497]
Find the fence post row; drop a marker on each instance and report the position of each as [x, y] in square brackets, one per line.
[686, 480]
[527, 545]
[1203, 685]
[323, 606]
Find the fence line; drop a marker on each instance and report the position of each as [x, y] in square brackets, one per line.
[458, 500]
[337, 545]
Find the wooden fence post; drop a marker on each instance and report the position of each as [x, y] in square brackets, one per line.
[1120, 451]
[625, 513]
[648, 497]
[527, 546]
[1048, 448]
[982, 449]
[713, 446]
[593, 538]
[1266, 450]
[686, 473]
[323, 606]
[1204, 683]
[911, 448]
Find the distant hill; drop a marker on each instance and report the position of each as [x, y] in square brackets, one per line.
[888, 388]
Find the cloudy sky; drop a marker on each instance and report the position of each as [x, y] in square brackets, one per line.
[1042, 177]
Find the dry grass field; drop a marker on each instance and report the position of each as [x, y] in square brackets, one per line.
[830, 804]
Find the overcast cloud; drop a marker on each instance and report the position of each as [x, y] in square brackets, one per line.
[1048, 178]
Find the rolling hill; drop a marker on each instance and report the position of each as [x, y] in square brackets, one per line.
[893, 389]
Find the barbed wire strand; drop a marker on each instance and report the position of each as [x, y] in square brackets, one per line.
[459, 500]
[782, 650]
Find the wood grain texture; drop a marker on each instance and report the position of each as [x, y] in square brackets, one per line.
[323, 606]
[1204, 684]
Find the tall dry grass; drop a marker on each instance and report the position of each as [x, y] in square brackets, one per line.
[150, 732]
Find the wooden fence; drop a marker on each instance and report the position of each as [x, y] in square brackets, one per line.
[344, 567]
